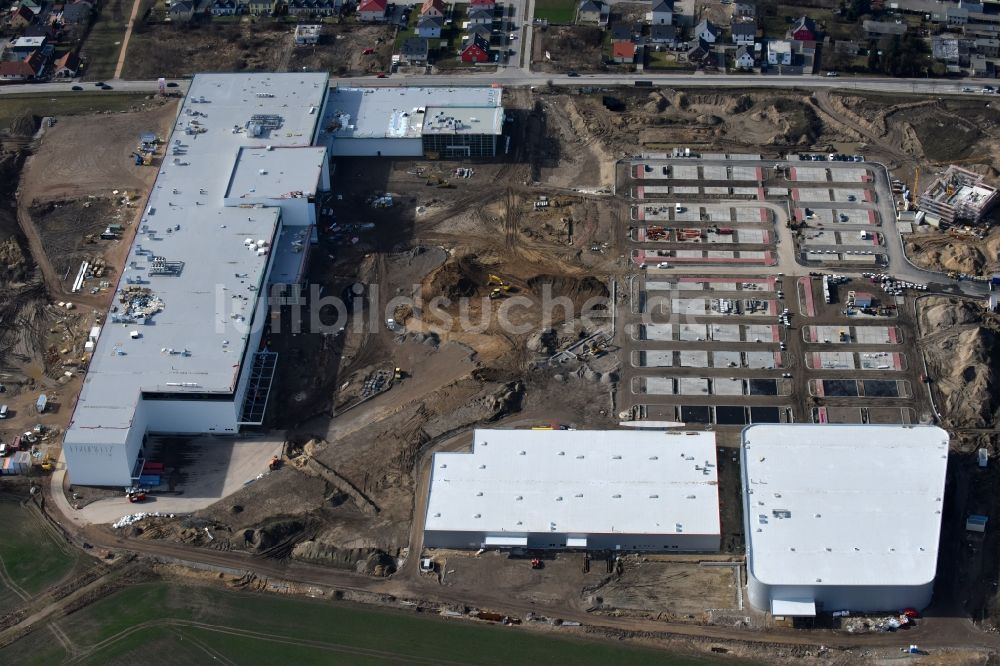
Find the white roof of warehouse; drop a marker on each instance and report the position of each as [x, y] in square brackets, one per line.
[187, 222]
[278, 173]
[843, 504]
[399, 112]
[578, 482]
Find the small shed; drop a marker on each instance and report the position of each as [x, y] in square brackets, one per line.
[41, 403]
[976, 523]
[863, 299]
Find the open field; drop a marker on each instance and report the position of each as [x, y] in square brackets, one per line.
[179, 624]
[103, 44]
[73, 104]
[31, 557]
[556, 11]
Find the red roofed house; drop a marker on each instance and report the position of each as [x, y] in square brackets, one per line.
[482, 4]
[803, 30]
[477, 50]
[372, 11]
[23, 70]
[433, 8]
[21, 18]
[67, 66]
[623, 51]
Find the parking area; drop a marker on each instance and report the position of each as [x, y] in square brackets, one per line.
[750, 344]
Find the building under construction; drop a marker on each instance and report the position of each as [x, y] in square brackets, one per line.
[957, 195]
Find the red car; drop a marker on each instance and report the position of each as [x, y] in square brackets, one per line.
[382, 75]
[911, 613]
[368, 52]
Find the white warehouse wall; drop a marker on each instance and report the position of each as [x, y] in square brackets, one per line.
[107, 464]
[829, 598]
[409, 147]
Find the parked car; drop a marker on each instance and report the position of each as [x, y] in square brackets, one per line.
[77, 88]
[171, 84]
[572, 73]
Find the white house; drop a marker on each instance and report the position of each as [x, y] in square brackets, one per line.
[744, 58]
[707, 31]
[744, 34]
[662, 13]
[779, 52]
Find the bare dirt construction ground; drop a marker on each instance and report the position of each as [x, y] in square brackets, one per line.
[570, 48]
[41, 343]
[260, 45]
[341, 50]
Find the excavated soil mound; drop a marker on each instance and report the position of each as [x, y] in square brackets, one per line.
[459, 278]
[962, 349]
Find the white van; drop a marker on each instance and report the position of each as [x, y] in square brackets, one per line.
[3, 411]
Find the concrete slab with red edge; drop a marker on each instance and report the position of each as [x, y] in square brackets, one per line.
[806, 303]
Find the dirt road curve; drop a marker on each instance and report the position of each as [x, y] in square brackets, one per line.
[933, 632]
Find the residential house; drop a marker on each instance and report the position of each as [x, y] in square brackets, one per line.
[312, 7]
[987, 46]
[67, 66]
[433, 8]
[953, 52]
[623, 32]
[744, 58]
[372, 11]
[22, 47]
[480, 15]
[877, 29]
[951, 16]
[700, 55]
[623, 52]
[49, 32]
[181, 10]
[662, 13]
[77, 12]
[663, 35]
[414, 51]
[593, 11]
[483, 4]
[28, 69]
[803, 30]
[981, 67]
[22, 17]
[262, 7]
[744, 10]
[477, 49]
[225, 8]
[483, 31]
[779, 52]
[35, 7]
[707, 31]
[429, 27]
[744, 34]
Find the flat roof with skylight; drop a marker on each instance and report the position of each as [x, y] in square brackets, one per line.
[842, 506]
[579, 483]
[201, 264]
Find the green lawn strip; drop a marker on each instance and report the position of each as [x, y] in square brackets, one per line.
[556, 11]
[345, 625]
[69, 103]
[32, 557]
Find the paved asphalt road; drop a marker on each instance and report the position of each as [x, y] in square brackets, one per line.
[514, 76]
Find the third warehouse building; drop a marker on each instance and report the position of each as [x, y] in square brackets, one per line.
[842, 517]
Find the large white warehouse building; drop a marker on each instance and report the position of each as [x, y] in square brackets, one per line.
[842, 517]
[230, 213]
[577, 489]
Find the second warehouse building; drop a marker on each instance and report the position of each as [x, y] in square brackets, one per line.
[577, 489]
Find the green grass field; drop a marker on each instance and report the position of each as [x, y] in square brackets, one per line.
[89, 100]
[104, 42]
[162, 622]
[556, 11]
[33, 558]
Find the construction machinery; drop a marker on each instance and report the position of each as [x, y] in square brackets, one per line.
[536, 563]
[275, 463]
[135, 495]
[499, 282]
[398, 374]
[48, 463]
[497, 293]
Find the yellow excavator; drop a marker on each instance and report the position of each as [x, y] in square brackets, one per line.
[498, 281]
